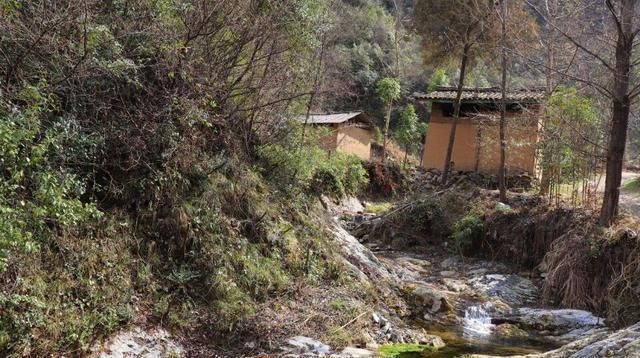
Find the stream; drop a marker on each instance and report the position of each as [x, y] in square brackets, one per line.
[481, 307]
[475, 306]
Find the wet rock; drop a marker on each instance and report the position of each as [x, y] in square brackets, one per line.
[622, 343]
[447, 273]
[564, 325]
[455, 285]
[449, 262]
[512, 289]
[555, 320]
[429, 339]
[477, 272]
[302, 345]
[139, 342]
[430, 299]
[351, 352]
[508, 330]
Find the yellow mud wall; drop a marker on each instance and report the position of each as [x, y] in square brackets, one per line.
[520, 148]
[437, 141]
[521, 133]
[354, 140]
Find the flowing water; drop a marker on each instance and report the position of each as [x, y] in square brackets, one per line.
[476, 322]
[476, 335]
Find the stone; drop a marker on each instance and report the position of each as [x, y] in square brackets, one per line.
[358, 255]
[351, 352]
[139, 342]
[477, 272]
[562, 325]
[350, 204]
[455, 285]
[622, 343]
[447, 273]
[450, 262]
[376, 319]
[512, 289]
[508, 330]
[430, 299]
[302, 344]
[431, 340]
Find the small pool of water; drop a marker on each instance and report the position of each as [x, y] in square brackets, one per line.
[460, 341]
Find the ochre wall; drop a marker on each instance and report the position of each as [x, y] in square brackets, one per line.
[521, 134]
[330, 142]
[437, 141]
[355, 140]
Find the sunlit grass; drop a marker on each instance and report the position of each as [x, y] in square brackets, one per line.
[397, 349]
[377, 208]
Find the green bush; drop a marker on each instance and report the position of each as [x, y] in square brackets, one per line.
[303, 167]
[37, 194]
[466, 230]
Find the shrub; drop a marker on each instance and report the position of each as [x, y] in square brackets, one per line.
[303, 168]
[466, 230]
[37, 194]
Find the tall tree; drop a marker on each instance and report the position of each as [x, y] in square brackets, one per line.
[503, 102]
[452, 29]
[388, 90]
[607, 38]
[625, 18]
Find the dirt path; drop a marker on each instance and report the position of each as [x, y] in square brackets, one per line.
[629, 199]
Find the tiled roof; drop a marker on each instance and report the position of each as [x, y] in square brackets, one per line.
[334, 118]
[491, 94]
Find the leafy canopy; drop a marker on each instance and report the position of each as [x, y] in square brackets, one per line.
[388, 90]
[409, 129]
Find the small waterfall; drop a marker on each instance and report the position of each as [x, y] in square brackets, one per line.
[476, 322]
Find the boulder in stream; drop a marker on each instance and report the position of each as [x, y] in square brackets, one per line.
[512, 289]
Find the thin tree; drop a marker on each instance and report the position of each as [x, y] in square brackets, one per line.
[453, 28]
[503, 103]
[618, 63]
[388, 90]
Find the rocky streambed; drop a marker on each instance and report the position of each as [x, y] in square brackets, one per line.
[481, 307]
[451, 306]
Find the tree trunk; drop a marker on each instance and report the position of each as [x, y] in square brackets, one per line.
[456, 114]
[545, 179]
[620, 118]
[406, 155]
[502, 186]
[476, 166]
[386, 132]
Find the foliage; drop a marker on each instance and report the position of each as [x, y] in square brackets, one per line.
[467, 230]
[131, 153]
[36, 196]
[632, 185]
[567, 157]
[384, 178]
[409, 130]
[377, 134]
[363, 50]
[302, 167]
[388, 90]
[438, 78]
